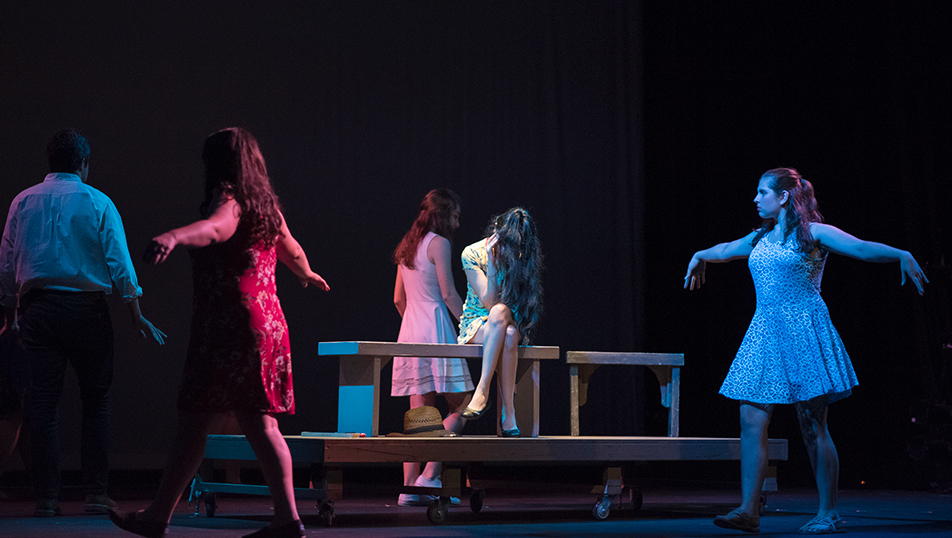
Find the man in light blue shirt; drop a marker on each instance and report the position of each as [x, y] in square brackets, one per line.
[62, 251]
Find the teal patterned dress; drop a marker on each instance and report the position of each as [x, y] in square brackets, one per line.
[474, 313]
[791, 352]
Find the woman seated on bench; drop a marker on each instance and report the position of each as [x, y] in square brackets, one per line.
[503, 305]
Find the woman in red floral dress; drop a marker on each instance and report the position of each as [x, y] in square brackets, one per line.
[239, 359]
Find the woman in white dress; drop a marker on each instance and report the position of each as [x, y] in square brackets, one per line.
[791, 353]
[425, 296]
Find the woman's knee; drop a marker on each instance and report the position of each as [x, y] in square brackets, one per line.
[754, 416]
[499, 315]
[512, 336]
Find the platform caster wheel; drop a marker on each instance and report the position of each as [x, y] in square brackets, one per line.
[763, 503]
[602, 508]
[636, 498]
[211, 504]
[326, 512]
[476, 501]
[436, 512]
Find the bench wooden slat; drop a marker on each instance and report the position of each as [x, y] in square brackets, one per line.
[606, 357]
[554, 449]
[409, 349]
[480, 448]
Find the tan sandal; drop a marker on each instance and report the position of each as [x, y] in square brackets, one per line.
[738, 521]
[822, 525]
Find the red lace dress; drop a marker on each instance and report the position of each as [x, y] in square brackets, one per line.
[239, 358]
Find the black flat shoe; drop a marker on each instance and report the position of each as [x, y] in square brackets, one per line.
[130, 522]
[293, 529]
[511, 433]
[471, 414]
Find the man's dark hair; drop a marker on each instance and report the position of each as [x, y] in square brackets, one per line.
[66, 151]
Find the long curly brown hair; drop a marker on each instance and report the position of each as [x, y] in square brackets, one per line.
[801, 207]
[436, 211]
[519, 259]
[235, 167]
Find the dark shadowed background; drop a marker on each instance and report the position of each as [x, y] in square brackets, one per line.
[634, 132]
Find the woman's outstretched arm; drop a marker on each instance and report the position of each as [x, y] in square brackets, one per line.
[291, 254]
[837, 241]
[218, 227]
[723, 252]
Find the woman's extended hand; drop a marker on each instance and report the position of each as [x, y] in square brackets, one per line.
[695, 276]
[316, 279]
[909, 266]
[159, 248]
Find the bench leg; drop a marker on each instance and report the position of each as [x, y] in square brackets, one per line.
[358, 400]
[573, 399]
[669, 378]
[527, 397]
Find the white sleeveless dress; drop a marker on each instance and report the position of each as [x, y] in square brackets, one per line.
[791, 352]
[427, 320]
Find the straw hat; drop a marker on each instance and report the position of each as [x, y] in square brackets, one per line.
[424, 421]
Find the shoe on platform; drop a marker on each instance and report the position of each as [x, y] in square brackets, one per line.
[738, 521]
[471, 414]
[423, 482]
[291, 529]
[822, 525]
[48, 508]
[409, 499]
[130, 522]
[511, 433]
[99, 504]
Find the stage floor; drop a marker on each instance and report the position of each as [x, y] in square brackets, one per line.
[675, 511]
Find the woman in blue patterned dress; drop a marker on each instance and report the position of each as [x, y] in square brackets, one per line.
[791, 353]
[503, 305]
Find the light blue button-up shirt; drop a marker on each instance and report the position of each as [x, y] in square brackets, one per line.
[62, 234]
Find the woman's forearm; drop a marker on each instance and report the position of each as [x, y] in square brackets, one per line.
[294, 257]
[197, 234]
[871, 251]
[454, 303]
[491, 294]
[714, 254]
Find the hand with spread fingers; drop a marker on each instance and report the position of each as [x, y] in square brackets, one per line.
[910, 268]
[695, 276]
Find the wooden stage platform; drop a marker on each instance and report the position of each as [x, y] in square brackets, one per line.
[329, 456]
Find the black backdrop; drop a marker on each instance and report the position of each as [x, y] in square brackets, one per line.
[634, 133]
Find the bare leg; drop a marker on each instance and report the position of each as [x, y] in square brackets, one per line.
[507, 377]
[823, 457]
[274, 458]
[456, 401]
[754, 419]
[188, 449]
[411, 470]
[493, 337]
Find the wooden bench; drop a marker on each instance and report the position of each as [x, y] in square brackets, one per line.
[359, 383]
[666, 367]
